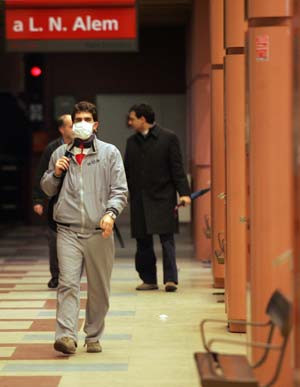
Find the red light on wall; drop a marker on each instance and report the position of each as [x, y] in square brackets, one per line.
[35, 71]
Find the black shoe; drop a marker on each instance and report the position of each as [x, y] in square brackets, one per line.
[170, 287]
[53, 283]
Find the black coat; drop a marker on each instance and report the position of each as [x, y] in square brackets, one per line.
[154, 171]
[38, 196]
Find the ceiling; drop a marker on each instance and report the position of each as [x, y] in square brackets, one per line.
[164, 12]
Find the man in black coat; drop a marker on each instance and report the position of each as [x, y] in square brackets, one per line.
[40, 200]
[155, 172]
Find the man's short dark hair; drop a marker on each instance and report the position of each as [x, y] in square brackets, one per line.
[61, 121]
[144, 110]
[85, 106]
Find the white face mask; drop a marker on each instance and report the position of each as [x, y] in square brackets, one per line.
[83, 130]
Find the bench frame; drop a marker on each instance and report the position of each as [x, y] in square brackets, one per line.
[279, 311]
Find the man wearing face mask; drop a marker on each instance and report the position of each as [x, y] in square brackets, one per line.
[90, 178]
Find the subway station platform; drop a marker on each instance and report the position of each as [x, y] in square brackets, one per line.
[149, 339]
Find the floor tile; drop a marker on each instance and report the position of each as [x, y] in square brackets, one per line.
[149, 337]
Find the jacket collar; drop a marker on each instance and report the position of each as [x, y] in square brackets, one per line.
[153, 131]
[92, 148]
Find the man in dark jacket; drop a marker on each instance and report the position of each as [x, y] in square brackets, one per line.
[155, 172]
[40, 200]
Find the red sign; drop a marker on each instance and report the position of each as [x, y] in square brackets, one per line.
[67, 3]
[62, 24]
[71, 25]
[262, 47]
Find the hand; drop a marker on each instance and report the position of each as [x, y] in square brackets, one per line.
[38, 209]
[107, 223]
[186, 200]
[61, 165]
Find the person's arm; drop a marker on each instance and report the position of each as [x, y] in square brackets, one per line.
[51, 180]
[38, 196]
[118, 193]
[177, 171]
[118, 184]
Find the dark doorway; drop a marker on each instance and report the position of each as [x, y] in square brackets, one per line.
[15, 151]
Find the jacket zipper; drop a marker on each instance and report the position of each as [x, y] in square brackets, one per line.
[81, 199]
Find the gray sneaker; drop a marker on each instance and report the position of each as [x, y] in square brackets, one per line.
[93, 347]
[65, 345]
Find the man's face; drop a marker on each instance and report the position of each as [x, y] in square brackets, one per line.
[66, 129]
[136, 123]
[87, 117]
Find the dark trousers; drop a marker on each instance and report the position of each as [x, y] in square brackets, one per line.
[53, 261]
[145, 259]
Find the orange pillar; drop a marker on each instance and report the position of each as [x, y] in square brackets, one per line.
[271, 167]
[198, 91]
[217, 140]
[297, 204]
[236, 183]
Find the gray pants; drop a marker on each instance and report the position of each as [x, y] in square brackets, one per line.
[53, 261]
[96, 255]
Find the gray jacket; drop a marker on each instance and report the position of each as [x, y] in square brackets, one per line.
[88, 189]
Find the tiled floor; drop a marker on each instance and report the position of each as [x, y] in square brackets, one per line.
[150, 337]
